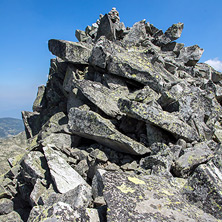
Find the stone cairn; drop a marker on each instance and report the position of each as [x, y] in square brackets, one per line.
[127, 128]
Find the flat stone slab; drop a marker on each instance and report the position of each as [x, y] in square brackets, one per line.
[136, 198]
[160, 118]
[74, 52]
[91, 125]
[103, 97]
[63, 175]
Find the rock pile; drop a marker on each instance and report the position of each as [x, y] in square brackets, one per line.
[127, 128]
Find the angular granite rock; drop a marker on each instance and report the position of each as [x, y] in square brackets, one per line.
[101, 96]
[63, 175]
[6, 206]
[160, 118]
[171, 34]
[39, 101]
[150, 198]
[34, 164]
[91, 125]
[190, 55]
[200, 153]
[106, 28]
[77, 53]
[206, 189]
[13, 216]
[136, 34]
[130, 64]
[58, 212]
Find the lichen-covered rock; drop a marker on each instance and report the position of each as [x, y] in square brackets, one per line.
[101, 96]
[171, 34]
[64, 176]
[136, 34]
[34, 166]
[130, 64]
[13, 216]
[150, 198]
[6, 206]
[39, 101]
[160, 118]
[91, 125]
[205, 187]
[77, 53]
[190, 55]
[193, 157]
[59, 212]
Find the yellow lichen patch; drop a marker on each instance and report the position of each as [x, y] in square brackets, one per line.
[140, 197]
[136, 180]
[166, 192]
[123, 188]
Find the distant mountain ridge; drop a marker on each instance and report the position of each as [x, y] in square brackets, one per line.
[10, 126]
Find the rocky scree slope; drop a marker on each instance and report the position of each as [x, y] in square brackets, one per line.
[127, 128]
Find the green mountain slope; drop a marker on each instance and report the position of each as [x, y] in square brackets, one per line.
[10, 126]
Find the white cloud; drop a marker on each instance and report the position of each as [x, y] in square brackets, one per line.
[215, 63]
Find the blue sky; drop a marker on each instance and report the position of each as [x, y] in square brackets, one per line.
[27, 25]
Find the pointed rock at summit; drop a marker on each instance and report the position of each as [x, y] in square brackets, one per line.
[162, 119]
[63, 175]
[106, 28]
[91, 125]
[136, 34]
[171, 34]
[74, 52]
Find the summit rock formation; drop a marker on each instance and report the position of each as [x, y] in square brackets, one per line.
[127, 128]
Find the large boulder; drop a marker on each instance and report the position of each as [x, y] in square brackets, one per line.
[149, 198]
[158, 117]
[64, 176]
[77, 53]
[91, 125]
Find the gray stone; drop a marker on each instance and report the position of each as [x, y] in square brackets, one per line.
[93, 215]
[64, 177]
[160, 118]
[190, 55]
[77, 53]
[11, 217]
[171, 34]
[91, 125]
[32, 123]
[6, 206]
[129, 64]
[56, 124]
[193, 157]
[36, 193]
[149, 198]
[97, 183]
[79, 197]
[61, 141]
[106, 28]
[60, 212]
[136, 34]
[204, 189]
[34, 164]
[101, 96]
[39, 102]
[82, 37]
[173, 46]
